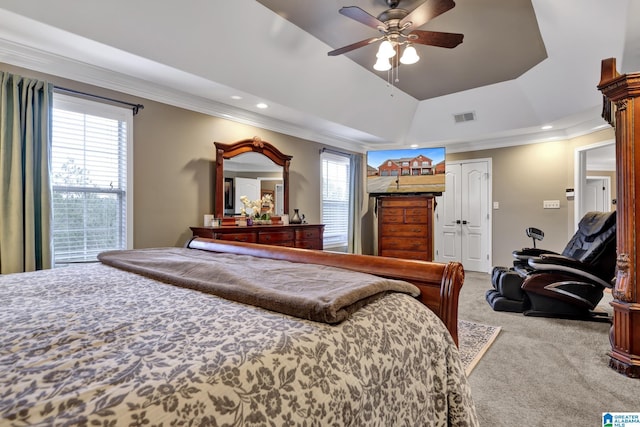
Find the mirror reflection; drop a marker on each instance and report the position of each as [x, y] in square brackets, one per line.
[252, 175]
[264, 168]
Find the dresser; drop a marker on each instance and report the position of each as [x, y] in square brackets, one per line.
[405, 226]
[305, 236]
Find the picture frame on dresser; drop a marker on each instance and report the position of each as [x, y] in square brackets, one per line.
[228, 195]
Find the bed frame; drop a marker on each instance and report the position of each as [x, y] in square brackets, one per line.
[439, 284]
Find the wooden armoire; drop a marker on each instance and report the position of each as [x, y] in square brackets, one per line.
[405, 226]
[622, 110]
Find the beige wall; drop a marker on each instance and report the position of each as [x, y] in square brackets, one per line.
[174, 163]
[524, 176]
[174, 170]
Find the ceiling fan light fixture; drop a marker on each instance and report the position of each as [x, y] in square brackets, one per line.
[386, 50]
[382, 64]
[410, 55]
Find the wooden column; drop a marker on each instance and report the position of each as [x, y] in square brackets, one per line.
[622, 110]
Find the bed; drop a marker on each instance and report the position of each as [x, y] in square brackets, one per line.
[143, 338]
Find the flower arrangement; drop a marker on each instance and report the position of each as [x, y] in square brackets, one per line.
[260, 209]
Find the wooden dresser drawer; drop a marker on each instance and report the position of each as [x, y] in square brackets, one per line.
[419, 212]
[204, 232]
[392, 219]
[391, 212]
[399, 243]
[405, 202]
[307, 234]
[406, 216]
[405, 230]
[238, 237]
[282, 238]
[416, 219]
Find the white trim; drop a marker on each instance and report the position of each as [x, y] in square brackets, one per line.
[489, 201]
[123, 114]
[579, 176]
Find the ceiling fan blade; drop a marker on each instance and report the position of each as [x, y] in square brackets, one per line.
[354, 12]
[353, 46]
[426, 12]
[436, 38]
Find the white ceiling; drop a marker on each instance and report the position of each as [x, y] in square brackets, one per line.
[495, 32]
[198, 56]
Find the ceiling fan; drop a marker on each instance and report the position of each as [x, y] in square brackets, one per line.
[396, 25]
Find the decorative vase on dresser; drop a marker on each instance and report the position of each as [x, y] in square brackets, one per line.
[295, 219]
[405, 226]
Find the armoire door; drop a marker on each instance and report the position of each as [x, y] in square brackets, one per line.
[462, 216]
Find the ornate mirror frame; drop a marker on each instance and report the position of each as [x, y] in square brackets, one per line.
[256, 145]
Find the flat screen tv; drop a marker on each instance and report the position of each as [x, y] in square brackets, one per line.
[411, 171]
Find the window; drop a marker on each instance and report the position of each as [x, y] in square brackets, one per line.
[335, 200]
[92, 201]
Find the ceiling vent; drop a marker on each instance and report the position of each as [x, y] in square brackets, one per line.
[464, 117]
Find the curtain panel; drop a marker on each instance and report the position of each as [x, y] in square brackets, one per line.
[25, 158]
[356, 203]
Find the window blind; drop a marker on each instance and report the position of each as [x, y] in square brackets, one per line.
[335, 199]
[91, 188]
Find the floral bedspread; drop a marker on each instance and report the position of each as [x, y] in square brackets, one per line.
[93, 345]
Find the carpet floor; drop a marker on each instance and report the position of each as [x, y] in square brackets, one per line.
[543, 371]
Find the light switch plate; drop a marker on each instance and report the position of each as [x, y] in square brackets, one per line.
[551, 204]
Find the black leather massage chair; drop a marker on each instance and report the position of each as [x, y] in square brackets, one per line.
[566, 285]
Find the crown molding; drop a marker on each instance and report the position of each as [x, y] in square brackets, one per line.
[27, 57]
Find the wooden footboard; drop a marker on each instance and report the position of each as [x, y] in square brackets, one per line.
[439, 284]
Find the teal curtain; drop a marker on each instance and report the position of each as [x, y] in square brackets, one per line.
[25, 158]
[356, 200]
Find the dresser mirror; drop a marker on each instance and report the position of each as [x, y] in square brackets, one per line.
[249, 158]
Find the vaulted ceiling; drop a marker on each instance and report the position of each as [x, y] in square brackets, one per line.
[501, 41]
[523, 64]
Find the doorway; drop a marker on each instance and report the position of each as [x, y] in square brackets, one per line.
[462, 215]
[594, 179]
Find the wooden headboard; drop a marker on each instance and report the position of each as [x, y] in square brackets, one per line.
[439, 284]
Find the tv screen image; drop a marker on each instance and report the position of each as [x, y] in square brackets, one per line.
[411, 170]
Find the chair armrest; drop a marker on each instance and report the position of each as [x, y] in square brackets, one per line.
[526, 253]
[558, 262]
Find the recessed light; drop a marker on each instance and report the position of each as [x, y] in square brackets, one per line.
[236, 97]
[414, 146]
[262, 105]
[547, 127]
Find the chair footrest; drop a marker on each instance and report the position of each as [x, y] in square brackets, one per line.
[499, 302]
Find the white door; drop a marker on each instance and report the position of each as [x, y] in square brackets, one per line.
[463, 231]
[279, 200]
[448, 232]
[597, 194]
[249, 187]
